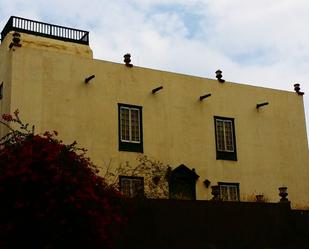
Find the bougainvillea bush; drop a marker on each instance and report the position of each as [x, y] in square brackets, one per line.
[51, 196]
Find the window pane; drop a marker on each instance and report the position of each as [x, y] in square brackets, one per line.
[224, 193]
[220, 135]
[130, 128]
[137, 187]
[135, 129]
[132, 187]
[229, 192]
[124, 123]
[228, 131]
[125, 187]
[233, 196]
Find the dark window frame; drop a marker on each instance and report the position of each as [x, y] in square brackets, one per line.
[226, 155]
[131, 146]
[234, 184]
[121, 177]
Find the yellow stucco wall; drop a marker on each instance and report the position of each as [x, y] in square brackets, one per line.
[5, 79]
[46, 78]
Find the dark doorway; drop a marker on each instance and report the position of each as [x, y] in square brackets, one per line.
[182, 183]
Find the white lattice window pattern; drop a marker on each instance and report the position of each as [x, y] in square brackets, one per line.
[131, 187]
[130, 125]
[225, 140]
[229, 192]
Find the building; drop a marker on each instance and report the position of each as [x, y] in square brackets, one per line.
[244, 139]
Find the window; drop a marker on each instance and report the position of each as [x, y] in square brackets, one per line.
[131, 186]
[225, 138]
[229, 191]
[130, 128]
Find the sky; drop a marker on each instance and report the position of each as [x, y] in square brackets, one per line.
[257, 42]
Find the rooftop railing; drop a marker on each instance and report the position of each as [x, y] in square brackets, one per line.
[45, 29]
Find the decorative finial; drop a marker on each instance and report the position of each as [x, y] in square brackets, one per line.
[219, 76]
[297, 89]
[127, 60]
[15, 40]
[283, 193]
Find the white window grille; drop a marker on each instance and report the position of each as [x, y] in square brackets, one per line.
[229, 192]
[225, 136]
[132, 186]
[129, 124]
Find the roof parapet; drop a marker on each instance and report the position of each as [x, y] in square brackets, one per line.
[45, 29]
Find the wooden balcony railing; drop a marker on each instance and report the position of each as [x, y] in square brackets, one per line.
[45, 29]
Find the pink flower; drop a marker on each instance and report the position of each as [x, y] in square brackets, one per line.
[7, 117]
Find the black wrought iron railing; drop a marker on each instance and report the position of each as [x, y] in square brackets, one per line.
[45, 29]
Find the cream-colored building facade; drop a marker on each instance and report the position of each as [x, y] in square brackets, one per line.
[246, 150]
